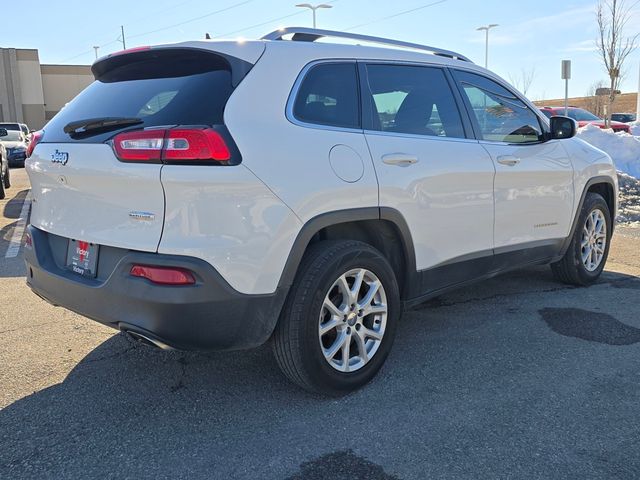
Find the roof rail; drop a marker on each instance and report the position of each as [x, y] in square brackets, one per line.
[302, 34]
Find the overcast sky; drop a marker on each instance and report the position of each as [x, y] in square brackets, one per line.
[533, 35]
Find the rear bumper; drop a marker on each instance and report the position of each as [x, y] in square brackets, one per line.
[209, 315]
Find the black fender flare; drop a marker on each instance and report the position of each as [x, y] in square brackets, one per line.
[592, 181]
[314, 225]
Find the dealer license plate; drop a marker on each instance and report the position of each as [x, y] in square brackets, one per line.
[82, 257]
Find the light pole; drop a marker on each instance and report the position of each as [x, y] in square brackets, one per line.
[313, 8]
[123, 40]
[96, 49]
[486, 46]
[638, 102]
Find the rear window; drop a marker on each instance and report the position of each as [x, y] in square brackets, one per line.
[12, 136]
[165, 87]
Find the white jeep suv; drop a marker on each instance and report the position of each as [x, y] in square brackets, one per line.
[213, 195]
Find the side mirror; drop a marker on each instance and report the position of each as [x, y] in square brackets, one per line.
[3, 132]
[563, 127]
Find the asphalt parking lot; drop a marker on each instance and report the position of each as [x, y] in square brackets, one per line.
[517, 377]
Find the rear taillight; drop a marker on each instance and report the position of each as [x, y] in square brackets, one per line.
[164, 275]
[35, 139]
[188, 144]
[142, 145]
[173, 145]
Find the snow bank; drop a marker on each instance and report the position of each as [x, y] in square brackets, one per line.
[635, 129]
[629, 200]
[622, 147]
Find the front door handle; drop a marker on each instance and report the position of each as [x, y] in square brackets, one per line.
[399, 159]
[508, 160]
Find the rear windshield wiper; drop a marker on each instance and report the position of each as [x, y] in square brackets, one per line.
[99, 124]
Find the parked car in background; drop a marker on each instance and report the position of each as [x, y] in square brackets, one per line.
[4, 165]
[16, 145]
[16, 126]
[624, 117]
[584, 118]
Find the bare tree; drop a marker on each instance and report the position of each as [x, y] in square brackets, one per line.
[613, 46]
[542, 96]
[595, 103]
[523, 80]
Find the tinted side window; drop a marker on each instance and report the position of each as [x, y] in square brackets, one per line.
[413, 99]
[501, 116]
[329, 95]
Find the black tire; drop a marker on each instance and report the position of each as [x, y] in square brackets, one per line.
[296, 341]
[571, 269]
[7, 178]
[2, 183]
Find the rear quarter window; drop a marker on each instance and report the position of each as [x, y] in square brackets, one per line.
[329, 95]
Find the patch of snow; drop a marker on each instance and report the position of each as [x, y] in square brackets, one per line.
[623, 148]
[635, 128]
[628, 200]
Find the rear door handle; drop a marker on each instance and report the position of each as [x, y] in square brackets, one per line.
[399, 159]
[508, 160]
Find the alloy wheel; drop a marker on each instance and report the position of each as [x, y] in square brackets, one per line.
[594, 240]
[352, 320]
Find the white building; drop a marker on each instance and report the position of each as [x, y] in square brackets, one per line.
[32, 93]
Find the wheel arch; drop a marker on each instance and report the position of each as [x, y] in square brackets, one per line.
[602, 185]
[606, 190]
[383, 228]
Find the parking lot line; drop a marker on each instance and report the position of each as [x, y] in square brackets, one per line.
[16, 239]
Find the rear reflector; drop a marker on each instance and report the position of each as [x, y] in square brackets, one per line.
[164, 275]
[174, 145]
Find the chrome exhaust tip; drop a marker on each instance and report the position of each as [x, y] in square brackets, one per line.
[146, 340]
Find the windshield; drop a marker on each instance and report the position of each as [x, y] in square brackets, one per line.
[12, 136]
[582, 115]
